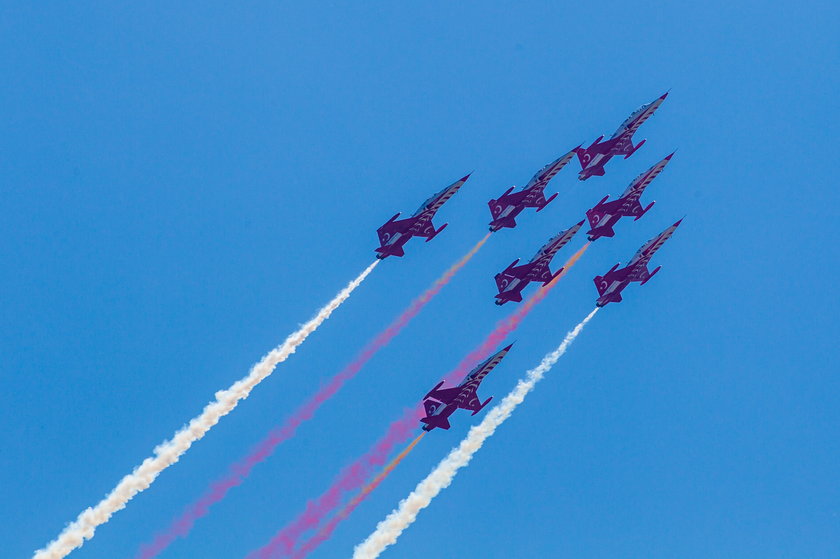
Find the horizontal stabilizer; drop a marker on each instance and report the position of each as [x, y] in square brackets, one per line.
[505, 296]
[436, 421]
[393, 250]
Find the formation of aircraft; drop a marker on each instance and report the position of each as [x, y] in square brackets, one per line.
[510, 204]
[513, 279]
[440, 403]
[394, 234]
[603, 217]
[593, 158]
[611, 284]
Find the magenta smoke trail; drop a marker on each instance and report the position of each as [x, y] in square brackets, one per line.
[350, 478]
[353, 477]
[182, 525]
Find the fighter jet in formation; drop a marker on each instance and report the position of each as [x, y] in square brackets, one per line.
[515, 278]
[441, 403]
[605, 214]
[611, 284]
[593, 158]
[510, 204]
[394, 234]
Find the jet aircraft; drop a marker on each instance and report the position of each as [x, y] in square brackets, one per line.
[603, 217]
[441, 403]
[394, 234]
[514, 278]
[593, 158]
[510, 204]
[611, 284]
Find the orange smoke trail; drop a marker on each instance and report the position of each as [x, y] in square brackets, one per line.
[286, 539]
[328, 528]
[495, 337]
[182, 525]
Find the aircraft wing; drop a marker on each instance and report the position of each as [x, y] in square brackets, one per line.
[639, 272]
[520, 272]
[471, 402]
[596, 214]
[631, 207]
[387, 231]
[445, 395]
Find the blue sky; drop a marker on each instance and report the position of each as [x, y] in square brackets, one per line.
[182, 186]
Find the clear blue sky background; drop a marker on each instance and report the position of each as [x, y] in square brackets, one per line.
[183, 185]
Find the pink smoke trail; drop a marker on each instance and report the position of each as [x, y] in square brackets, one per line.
[182, 525]
[353, 477]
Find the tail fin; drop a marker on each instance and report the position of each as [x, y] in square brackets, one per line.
[433, 389]
[431, 407]
[595, 143]
[600, 284]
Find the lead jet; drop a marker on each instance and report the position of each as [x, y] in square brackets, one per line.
[441, 403]
[611, 284]
[394, 234]
[510, 204]
[514, 279]
[603, 217]
[593, 158]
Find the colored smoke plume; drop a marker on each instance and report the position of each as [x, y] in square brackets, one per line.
[354, 475]
[237, 473]
[326, 531]
[169, 452]
[389, 530]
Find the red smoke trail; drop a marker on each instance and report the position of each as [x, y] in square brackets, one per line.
[182, 525]
[326, 531]
[353, 476]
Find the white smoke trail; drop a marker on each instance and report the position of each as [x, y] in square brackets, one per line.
[389, 530]
[168, 452]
